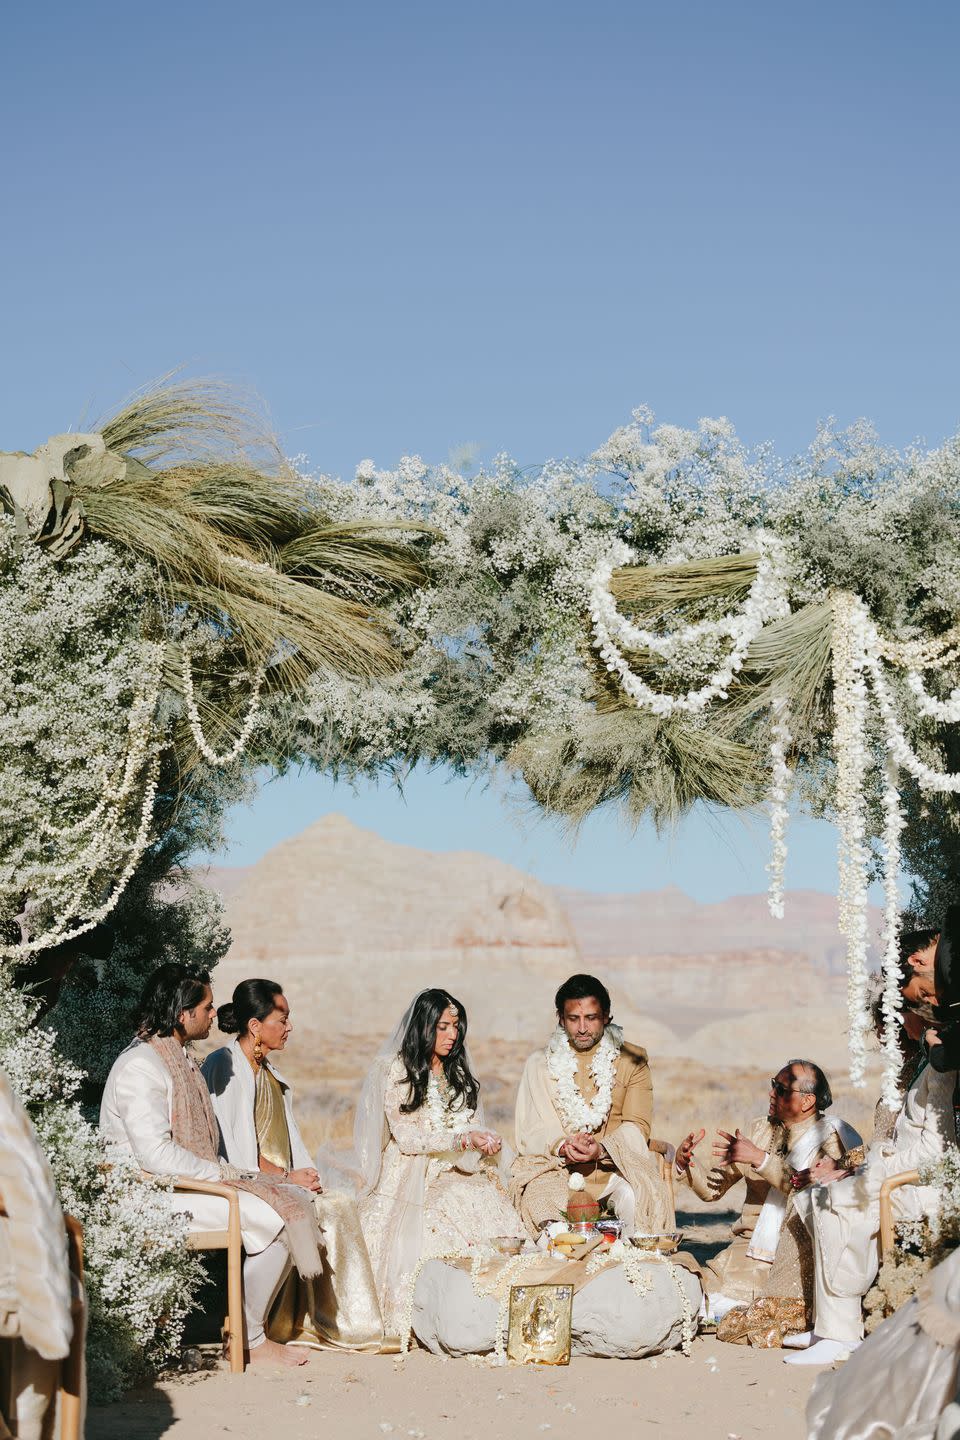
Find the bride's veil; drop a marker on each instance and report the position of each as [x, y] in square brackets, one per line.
[359, 1168]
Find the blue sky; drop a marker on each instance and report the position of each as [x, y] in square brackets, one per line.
[413, 227]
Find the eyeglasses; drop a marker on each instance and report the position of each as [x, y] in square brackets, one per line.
[778, 1088]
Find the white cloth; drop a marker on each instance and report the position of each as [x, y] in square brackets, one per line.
[610, 1317]
[901, 1383]
[773, 1211]
[263, 1274]
[135, 1120]
[619, 1193]
[233, 1091]
[35, 1245]
[843, 1218]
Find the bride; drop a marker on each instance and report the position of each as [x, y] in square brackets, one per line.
[429, 1167]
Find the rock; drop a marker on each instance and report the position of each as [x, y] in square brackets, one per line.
[610, 1317]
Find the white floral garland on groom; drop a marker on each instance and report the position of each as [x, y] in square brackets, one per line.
[576, 1112]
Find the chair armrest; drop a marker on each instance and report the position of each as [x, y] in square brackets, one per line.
[188, 1186]
[75, 1244]
[908, 1177]
[659, 1147]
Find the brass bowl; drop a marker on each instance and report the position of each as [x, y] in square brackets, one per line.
[507, 1244]
[665, 1243]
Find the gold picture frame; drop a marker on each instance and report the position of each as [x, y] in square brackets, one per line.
[541, 1324]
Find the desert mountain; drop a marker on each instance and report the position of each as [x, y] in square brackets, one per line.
[352, 922]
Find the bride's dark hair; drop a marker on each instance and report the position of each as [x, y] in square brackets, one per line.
[416, 1052]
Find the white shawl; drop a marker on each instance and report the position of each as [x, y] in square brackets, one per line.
[773, 1211]
[233, 1090]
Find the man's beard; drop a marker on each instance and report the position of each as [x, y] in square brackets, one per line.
[586, 1044]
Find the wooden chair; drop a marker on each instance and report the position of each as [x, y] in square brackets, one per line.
[887, 1236]
[71, 1371]
[70, 1388]
[230, 1240]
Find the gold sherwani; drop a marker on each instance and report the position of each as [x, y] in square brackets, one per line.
[539, 1174]
[733, 1271]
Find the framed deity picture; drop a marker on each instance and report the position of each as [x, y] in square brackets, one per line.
[541, 1320]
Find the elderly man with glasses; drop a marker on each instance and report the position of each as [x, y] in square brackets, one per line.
[769, 1256]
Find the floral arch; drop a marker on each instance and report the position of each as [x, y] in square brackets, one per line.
[673, 620]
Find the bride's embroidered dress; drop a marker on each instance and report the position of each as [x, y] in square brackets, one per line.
[430, 1197]
[608, 1092]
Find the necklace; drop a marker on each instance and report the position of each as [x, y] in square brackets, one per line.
[576, 1112]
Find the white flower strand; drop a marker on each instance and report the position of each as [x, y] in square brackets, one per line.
[139, 731]
[101, 850]
[892, 1001]
[60, 934]
[576, 1112]
[196, 727]
[850, 713]
[766, 601]
[780, 780]
[440, 1110]
[946, 711]
[943, 782]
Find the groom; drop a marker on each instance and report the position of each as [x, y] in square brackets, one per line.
[584, 1110]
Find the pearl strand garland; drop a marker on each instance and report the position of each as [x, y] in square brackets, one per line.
[196, 727]
[59, 935]
[892, 1000]
[850, 702]
[780, 778]
[766, 601]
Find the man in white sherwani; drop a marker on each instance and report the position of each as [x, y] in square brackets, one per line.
[842, 1214]
[137, 1121]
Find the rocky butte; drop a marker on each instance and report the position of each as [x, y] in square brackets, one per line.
[338, 913]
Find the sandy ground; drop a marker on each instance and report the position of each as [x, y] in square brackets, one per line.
[722, 1392]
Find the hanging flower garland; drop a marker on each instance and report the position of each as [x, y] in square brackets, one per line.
[108, 821]
[892, 1000]
[780, 782]
[442, 1113]
[860, 687]
[196, 727]
[850, 703]
[766, 601]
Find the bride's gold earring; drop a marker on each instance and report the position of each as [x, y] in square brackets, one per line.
[257, 1050]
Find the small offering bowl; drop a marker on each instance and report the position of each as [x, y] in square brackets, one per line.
[665, 1242]
[507, 1244]
[610, 1230]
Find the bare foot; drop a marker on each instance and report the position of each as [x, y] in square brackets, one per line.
[270, 1353]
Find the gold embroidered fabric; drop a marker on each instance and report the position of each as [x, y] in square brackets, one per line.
[764, 1323]
[270, 1119]
[339, 1309]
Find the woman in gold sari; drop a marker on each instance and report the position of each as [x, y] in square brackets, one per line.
[254, 1107]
